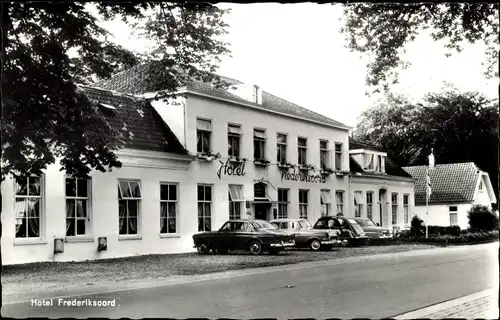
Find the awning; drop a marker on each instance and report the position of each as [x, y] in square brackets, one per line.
[325, 197]
[203, 125]
[358, 198]
[236, 193]
[259, 134]
[234, 129]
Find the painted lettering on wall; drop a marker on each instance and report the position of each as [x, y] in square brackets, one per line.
[299, 176]
[236, 169]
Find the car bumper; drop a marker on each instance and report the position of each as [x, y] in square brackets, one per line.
[330, 242]
[384, 237]
[282, 244]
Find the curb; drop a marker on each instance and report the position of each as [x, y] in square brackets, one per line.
[450, 304]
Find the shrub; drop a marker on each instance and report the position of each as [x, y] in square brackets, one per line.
[482, 219]
[466, 237]
[417, 226]
[439, 230]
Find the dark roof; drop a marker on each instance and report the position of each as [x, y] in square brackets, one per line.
[355, 144]
[450, 183]
[393, 169]
[135, 117]
[354, 165]
[133, 81]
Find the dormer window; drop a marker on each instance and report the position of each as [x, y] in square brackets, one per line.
[368, 162]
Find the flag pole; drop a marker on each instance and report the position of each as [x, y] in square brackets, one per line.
[426, 213]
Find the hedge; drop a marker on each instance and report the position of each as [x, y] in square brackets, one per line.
[464, 238]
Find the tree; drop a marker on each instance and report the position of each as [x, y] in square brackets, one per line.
[383, 30]
[46, 117]
[459, 126]
[481, 218]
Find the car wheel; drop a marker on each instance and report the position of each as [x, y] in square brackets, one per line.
[255, 247]
[314, 245]
[344, 243]
[368, 241]
[222, 250]
[203, 248]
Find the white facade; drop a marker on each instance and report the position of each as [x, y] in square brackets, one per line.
[152, 169]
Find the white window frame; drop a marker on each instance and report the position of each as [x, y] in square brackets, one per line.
[168, 201]
[204, 215]
[406, 208]
[283, 203]
[358, 207]
[127, 216]
[394, 205]
[480, 187]
[236, 137]
[260, 141]
[326, 208]
[369, 204]
[453, 213]
[303, 204]
[41, 217]
[88, 218]
[200, 132]
[340, 205]
[324, 150]
[281, 145]
[302, 150]
[233, 204]
[338, 156]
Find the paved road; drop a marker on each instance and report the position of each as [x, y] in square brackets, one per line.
[377, 288]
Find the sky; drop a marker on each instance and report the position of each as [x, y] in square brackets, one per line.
[296, 52]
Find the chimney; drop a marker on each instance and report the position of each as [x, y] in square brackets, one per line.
[431, 159]
[257, 94]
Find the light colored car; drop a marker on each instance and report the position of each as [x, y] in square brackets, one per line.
[374, 232]
[306, 236]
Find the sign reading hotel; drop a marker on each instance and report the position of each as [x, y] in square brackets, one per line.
[237, 169]
[300, 176]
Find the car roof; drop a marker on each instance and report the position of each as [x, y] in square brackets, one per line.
[246, 220]
[287, 220]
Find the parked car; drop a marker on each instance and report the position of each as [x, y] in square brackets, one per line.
[306, 236]
[374, 232]
[351, 232]
[255, 236]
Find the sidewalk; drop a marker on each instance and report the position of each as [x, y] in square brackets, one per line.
[479, 305]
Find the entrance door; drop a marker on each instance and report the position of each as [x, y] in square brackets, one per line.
[261, 211]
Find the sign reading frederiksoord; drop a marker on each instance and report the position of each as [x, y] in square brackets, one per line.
[74, 302]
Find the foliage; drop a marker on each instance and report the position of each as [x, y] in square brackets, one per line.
[481, 218]
[439, 230]
[383, 29]
[461, 127]
[417, 226]
[466, 237]
[45, 117]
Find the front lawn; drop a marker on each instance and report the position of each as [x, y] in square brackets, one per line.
[36, 277]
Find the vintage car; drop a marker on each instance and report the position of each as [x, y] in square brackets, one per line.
[255, 236]
[374, 232]
[351, 232]
[306, 236]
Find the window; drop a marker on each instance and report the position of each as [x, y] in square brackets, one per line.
[233, 139]
[302, 150]
[129, 200]
[260, 190]
[394, 198]
[168, 207]
[28, 206]
[282, 203]
[338, 156]
[379, 164]
[259, 144]
[339, 198]
[235, 201]
[406, 201]
[369, 205]
[303, 195]
[453, 215]
[77, 207]
[368, 162]
[281, 146]
[324, 154]
[204, 208]
[326, 203]
[203, 133]
[358, 203]
[481, 185]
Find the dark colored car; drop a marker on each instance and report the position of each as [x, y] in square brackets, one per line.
[351, 232]
[375, 233]
[255, 236]
[306, 236]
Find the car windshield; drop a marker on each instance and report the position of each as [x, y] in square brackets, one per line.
[304, 224]
[263, 225]
[365, 222]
